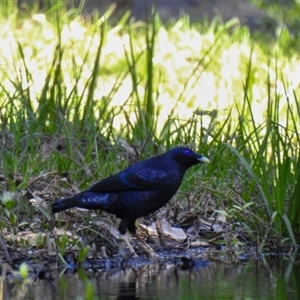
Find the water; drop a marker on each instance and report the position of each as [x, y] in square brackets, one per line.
[217, 280]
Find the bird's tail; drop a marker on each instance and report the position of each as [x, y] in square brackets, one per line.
[87, 200]
[65, 203]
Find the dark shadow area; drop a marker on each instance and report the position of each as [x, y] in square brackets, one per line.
[197, 10]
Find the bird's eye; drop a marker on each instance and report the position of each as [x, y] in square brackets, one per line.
[187, 152]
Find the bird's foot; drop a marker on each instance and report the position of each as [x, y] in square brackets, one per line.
[152, 255]
[147, 249]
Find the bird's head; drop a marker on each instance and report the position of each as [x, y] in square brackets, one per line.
[186, 158]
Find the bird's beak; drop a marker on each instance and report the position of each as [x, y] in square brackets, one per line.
[204, 159]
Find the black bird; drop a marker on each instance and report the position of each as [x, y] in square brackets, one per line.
[138, 190]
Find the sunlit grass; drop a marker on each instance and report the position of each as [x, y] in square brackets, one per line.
[193, 68]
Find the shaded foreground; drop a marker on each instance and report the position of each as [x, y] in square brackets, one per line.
[261, 279]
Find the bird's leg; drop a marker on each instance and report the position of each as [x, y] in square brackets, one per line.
[127, 242]
[160, 232]
[146, 247]
[122, 229]
[130, 226]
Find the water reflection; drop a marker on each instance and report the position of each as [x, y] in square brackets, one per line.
[255, 280]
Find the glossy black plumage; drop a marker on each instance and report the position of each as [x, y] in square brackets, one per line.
[138, 190]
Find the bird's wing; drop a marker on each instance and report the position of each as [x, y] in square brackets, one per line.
[144, 180]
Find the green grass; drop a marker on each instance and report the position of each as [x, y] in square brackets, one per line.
[74, 90]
